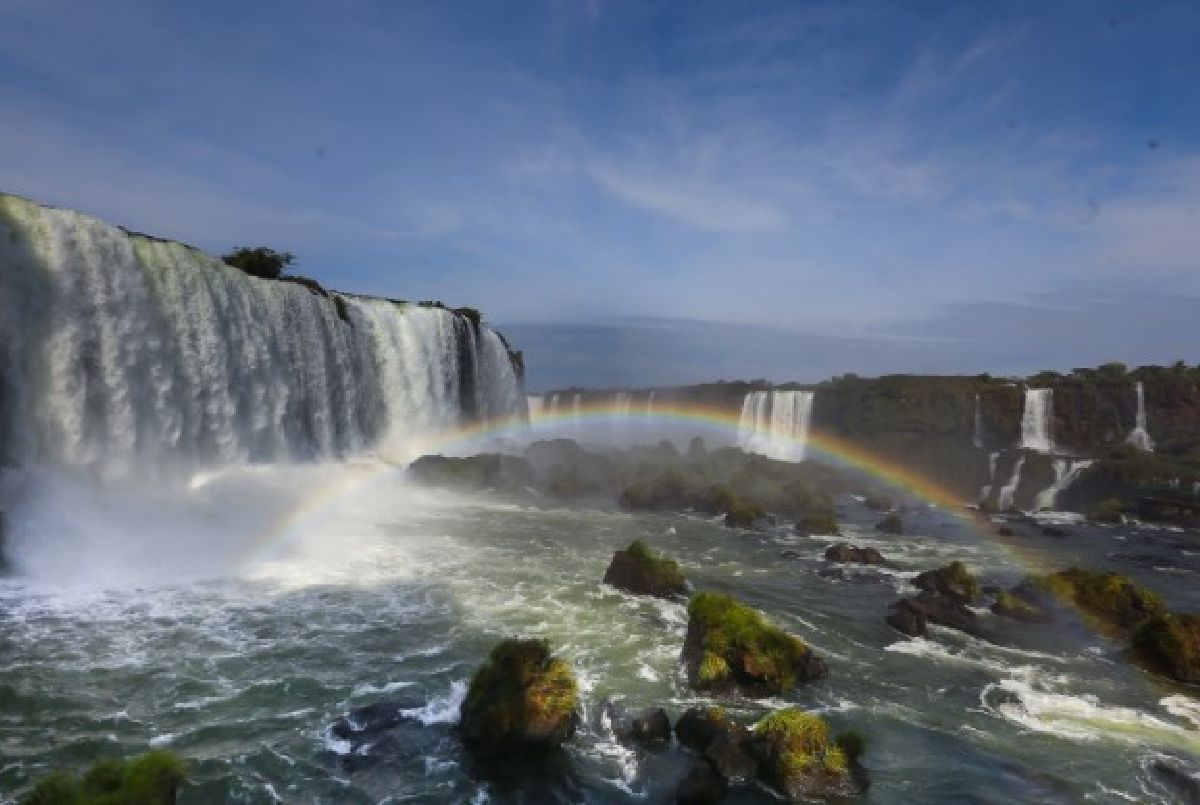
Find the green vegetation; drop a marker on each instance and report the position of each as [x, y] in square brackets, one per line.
[733, 644]
[259, 261]
[150, 779]
[1170, 645]
[641, 571]
[852, 744]
[801, 744]
[1110, 598]
[818, 524]
[1109, 510]
[1017, 608]
[522, 697]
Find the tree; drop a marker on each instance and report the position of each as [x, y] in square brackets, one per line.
[259, 261]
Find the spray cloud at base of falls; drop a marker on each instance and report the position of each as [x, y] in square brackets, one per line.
[122, 353]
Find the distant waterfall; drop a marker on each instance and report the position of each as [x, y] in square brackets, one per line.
[119, 352]
[775, 423]
[987, 488]
[622, 400]
[535, 404]
[1035, 421]
[650, 404]
[977, 436]
[1139, 437]
[1009, 490]
[1065, 473]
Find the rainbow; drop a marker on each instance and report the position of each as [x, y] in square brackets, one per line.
[715, 420]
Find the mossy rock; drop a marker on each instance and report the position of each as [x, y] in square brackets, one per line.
[803, 761]
[1112, 600]
[1009, 605]
[521, 700]
[743, 515]
[1170, 645]
[852, 554]
[1110, 511]
[641, 571]
[953, 581]
[150, 779]
[878, 503]
[891, 524]
[823, 524]
[729, 646]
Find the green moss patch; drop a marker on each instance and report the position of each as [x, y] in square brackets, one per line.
[1111, 599]
[801, 744]
[150, 779]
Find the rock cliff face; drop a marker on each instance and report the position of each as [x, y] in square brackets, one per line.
[984, 437]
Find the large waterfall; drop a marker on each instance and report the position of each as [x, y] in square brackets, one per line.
[1139, 437]
[1035, 421]
[775, 423]
[120, 351]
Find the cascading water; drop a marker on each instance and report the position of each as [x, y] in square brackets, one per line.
[1005, 499]
[121, 352]
[987, 488]
[1139, 437]
[1035, 421]
[535, 404]
[775, 423]
[1065, 473]
[977, 435]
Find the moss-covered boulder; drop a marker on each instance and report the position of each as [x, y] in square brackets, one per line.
[823, 524]
[521, 700]
[743, 515]
[641, 571]
[891, 524]
[150, 779]
[1113, 601]
[729, 646]
[878, 502]
[953, 581]
[852, 554]
[802, 761]
[1010, 604]
[1110, 511]
[1170, 645]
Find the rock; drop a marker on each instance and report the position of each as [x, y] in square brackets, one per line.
[850, 554]
[702, 785]
[494, 471]
[803, 762]
[909, 621]
[362, 722]
[1055, 531]
[651, 726]
[1114, 601]
[878, 503]
[730, 647]
[1181, 783]
[817, 524]
[743, 516]
[640, 571]
[521, 700]
[1004, 531]
[1011, 605]
[953, 581]
[933, 609]
[728, 755]
[698, 726]
[892, 524]
[1170, 644]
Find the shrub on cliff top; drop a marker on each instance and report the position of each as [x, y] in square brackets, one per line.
[259, 261]
[151, 779]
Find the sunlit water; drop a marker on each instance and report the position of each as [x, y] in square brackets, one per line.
[217, 623]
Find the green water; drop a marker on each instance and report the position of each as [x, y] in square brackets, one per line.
[240, 660]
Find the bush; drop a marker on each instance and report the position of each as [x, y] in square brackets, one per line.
[150, 779]
[641, 571]
[259, 261]
[801, 743]
[1170, 644]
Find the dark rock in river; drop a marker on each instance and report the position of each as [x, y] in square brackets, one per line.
[892, 524]
[729, 755]
[486, 471]
[698, 726]
[907, 620]
[817, 524]
[651, 726]
[1010, 604]
[1180, 781]
[521, 700]
[641, 571]
[702, 785]
[363, 722]
[1170, 645]
[953, 581]
[1055, 531]
[911, 615]
[851, 554]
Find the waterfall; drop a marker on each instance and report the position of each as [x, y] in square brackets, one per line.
[775, 423]
[554, 405]
[1009, 490]
[977, 437]
[987, 488]
[1065, 473]
[1035, 421]
[622, 400]
[535, 404]
[121, 352]
[650, 404]
[1139, 437]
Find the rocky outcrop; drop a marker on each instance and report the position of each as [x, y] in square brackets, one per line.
[486, 471]
[953, 581]
[731, 647]
[521, 701]
[822, 524]
[852, 554]
[1170, 645]
[912, 616]
[640, 571]
[891, 524]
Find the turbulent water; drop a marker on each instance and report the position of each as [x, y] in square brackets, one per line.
[122, 352]
[210, 620]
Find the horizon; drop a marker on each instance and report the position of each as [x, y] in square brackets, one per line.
[641, 195]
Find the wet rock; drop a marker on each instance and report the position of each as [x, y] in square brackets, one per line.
[698, 726]
[363, 722]
[1012, 605]
[817, 524]
[804, 763]
[851, 554]
[892, 524]
[1004, 531]
[790, 554]
[907, 620]
[641, 571]
[1170, 644]
[651, 726]
[1055, 531]
[728, 754]
[521, 700]
[839, 573]
[953, 581]
[702, 785]
[1181, 783]
[932, 609]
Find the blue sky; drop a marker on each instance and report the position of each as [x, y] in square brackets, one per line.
[646, 192]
